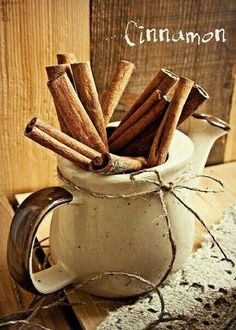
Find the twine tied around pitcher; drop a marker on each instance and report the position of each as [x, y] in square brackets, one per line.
[160, 189]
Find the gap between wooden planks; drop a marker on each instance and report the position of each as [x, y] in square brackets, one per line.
[31, 35]
[230, 150]
[209, 206]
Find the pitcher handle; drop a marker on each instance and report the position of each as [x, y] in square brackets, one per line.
[21, 238]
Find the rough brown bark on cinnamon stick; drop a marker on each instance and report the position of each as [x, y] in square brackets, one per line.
[112, 96]
[60, 68]
[87, 92]
[113, 164]
[63, 138]
[141, 145]
[71, 109]
[165, 132]
[140, 125]
[53, 71]
[66, 58]
[147, 105]
[196, 97]
[47, 141]
[164, 81]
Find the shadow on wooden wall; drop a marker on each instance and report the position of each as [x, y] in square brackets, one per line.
[32, 32]
[209, 64]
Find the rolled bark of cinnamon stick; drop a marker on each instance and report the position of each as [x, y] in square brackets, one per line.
[51, 72]
[164, 81]
[87, 92]
[63, 138]
[141, 145]
[60, 68]
[140, 125]
[165, 132]
[71, 109]
[49, 142]
[147, 105]
[66, 58]
[113, 164]
[112, 96]
[196, 97]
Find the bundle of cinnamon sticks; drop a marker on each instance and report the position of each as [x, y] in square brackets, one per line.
[142, 138]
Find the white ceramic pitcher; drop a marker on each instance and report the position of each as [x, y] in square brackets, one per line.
[90, 235]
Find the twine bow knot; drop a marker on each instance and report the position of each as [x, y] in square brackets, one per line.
[170, 187]
[167, 187]
[162, 188]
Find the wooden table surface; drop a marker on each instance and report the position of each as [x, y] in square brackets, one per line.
[13, 298]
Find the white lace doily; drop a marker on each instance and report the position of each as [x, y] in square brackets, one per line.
[204, 290]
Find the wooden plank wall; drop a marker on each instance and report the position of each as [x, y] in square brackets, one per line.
[209, 64]
[230, 149]
[31, 33]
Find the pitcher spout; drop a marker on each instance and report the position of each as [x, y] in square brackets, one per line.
[203, 130]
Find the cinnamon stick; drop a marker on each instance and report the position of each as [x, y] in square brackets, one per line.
[51, 72]
[140, 125]
[112, 96]
[113, 164]
[164, 81]
[71, 109]
[66, 58]
[87, 92]
[165, 132]
[141, 145]
[47, 141]
[63, 138]
[60, 68]
[147, 105]
[196, 97]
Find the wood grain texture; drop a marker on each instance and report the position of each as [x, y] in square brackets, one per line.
[12, 297]
[8, 301]
[24, 227]
[211, 206]
[91, 315]
[209, 64]
[31, 34]
[230, 148]
[94, 311]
